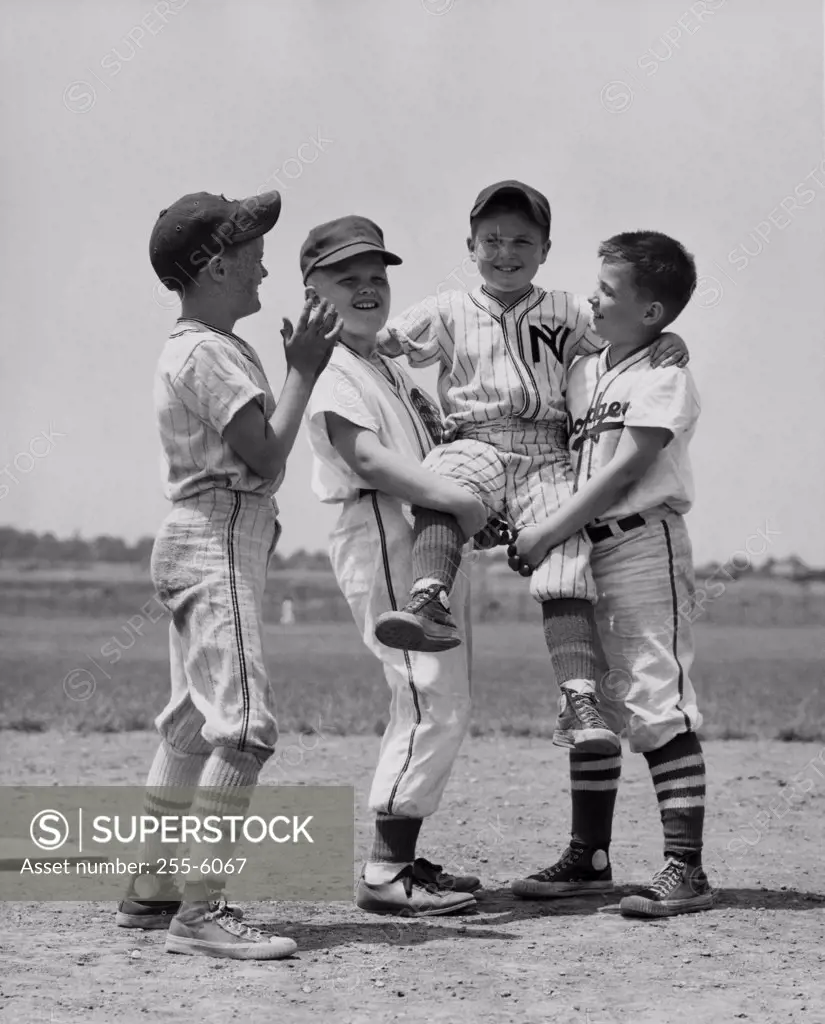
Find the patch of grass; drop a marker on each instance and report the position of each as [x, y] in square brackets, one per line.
[751, 682]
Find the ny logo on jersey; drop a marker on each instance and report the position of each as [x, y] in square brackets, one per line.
[555, 340]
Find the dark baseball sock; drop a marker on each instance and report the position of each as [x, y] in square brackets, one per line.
[437, 547]
[568, 632]
[594, 783]
[678, 773]
[395, 839]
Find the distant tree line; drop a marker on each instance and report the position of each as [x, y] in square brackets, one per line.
[27, 546]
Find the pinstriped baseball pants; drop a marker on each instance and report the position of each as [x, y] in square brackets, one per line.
[522, 472]
[371, 555]
[209, 566]
[643, 615]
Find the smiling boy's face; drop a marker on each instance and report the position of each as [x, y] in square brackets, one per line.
[359, 290]
[621, 313]
[509, 248]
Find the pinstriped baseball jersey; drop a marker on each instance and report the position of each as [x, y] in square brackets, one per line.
[604, 399]
[498, 361]
[204, 377]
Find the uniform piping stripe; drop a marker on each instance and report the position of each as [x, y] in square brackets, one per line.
[236, 614]
[595, 784]
[675, 613]
[394, 604]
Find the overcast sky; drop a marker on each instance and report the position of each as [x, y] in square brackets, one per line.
[700, 119]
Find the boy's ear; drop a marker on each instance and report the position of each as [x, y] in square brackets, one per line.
[471, 248]
[545, 249]
[653, 314]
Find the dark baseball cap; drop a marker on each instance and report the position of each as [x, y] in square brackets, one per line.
[201, 225]
[537, 203]
[338, 240]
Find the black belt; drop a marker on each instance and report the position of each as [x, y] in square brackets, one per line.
[605, 530]
[365, 492]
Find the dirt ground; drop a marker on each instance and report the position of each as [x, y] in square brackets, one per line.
[757, 956]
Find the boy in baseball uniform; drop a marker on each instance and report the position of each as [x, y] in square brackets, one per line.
[225, 444]
[630, 426]
[504, 351]
[369, 429]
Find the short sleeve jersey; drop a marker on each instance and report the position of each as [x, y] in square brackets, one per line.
[401, 414]
[603, 400]
[203, 378]
[497, 360]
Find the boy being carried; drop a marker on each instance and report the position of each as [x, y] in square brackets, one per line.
[504, 351]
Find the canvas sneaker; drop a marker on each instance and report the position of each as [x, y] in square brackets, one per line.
[678, 888]
[580, 871]
[423, 624]
[406, 896]
[580, 725]
[212, 929]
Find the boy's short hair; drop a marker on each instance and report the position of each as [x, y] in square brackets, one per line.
[662, 267]
[511, 195]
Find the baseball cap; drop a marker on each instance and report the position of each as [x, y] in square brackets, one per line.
[201, 225]
[338, 240]
[538, 204]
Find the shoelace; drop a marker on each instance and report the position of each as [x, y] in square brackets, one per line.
[221, 914]
[570, 857]
[422, 597]
[584, 704]
[411, 882]
[666, 878]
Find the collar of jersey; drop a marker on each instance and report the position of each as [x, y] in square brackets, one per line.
[489, 297]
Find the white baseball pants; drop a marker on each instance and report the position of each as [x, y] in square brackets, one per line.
[371, 555]
[645, 584]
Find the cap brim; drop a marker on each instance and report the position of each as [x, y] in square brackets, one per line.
[346, 252]
[539, 215]
[265, 210]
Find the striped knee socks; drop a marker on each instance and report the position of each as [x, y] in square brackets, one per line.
[594, 783]
[678, 772]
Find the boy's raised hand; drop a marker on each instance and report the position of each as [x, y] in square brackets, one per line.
[669, 350]
[308, 347]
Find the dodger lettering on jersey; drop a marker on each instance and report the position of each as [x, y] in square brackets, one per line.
[599, 418]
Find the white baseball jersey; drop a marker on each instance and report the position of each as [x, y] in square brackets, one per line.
[371, 554]
[498, 361]
[204, 377]
[402, 415]
[602, 400]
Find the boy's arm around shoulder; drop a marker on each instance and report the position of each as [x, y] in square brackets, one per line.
[401, 477]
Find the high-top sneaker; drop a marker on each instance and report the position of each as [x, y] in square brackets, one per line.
[580, 871]
[206, 928]
[582, 726]
[677, 888]
[423, 624]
